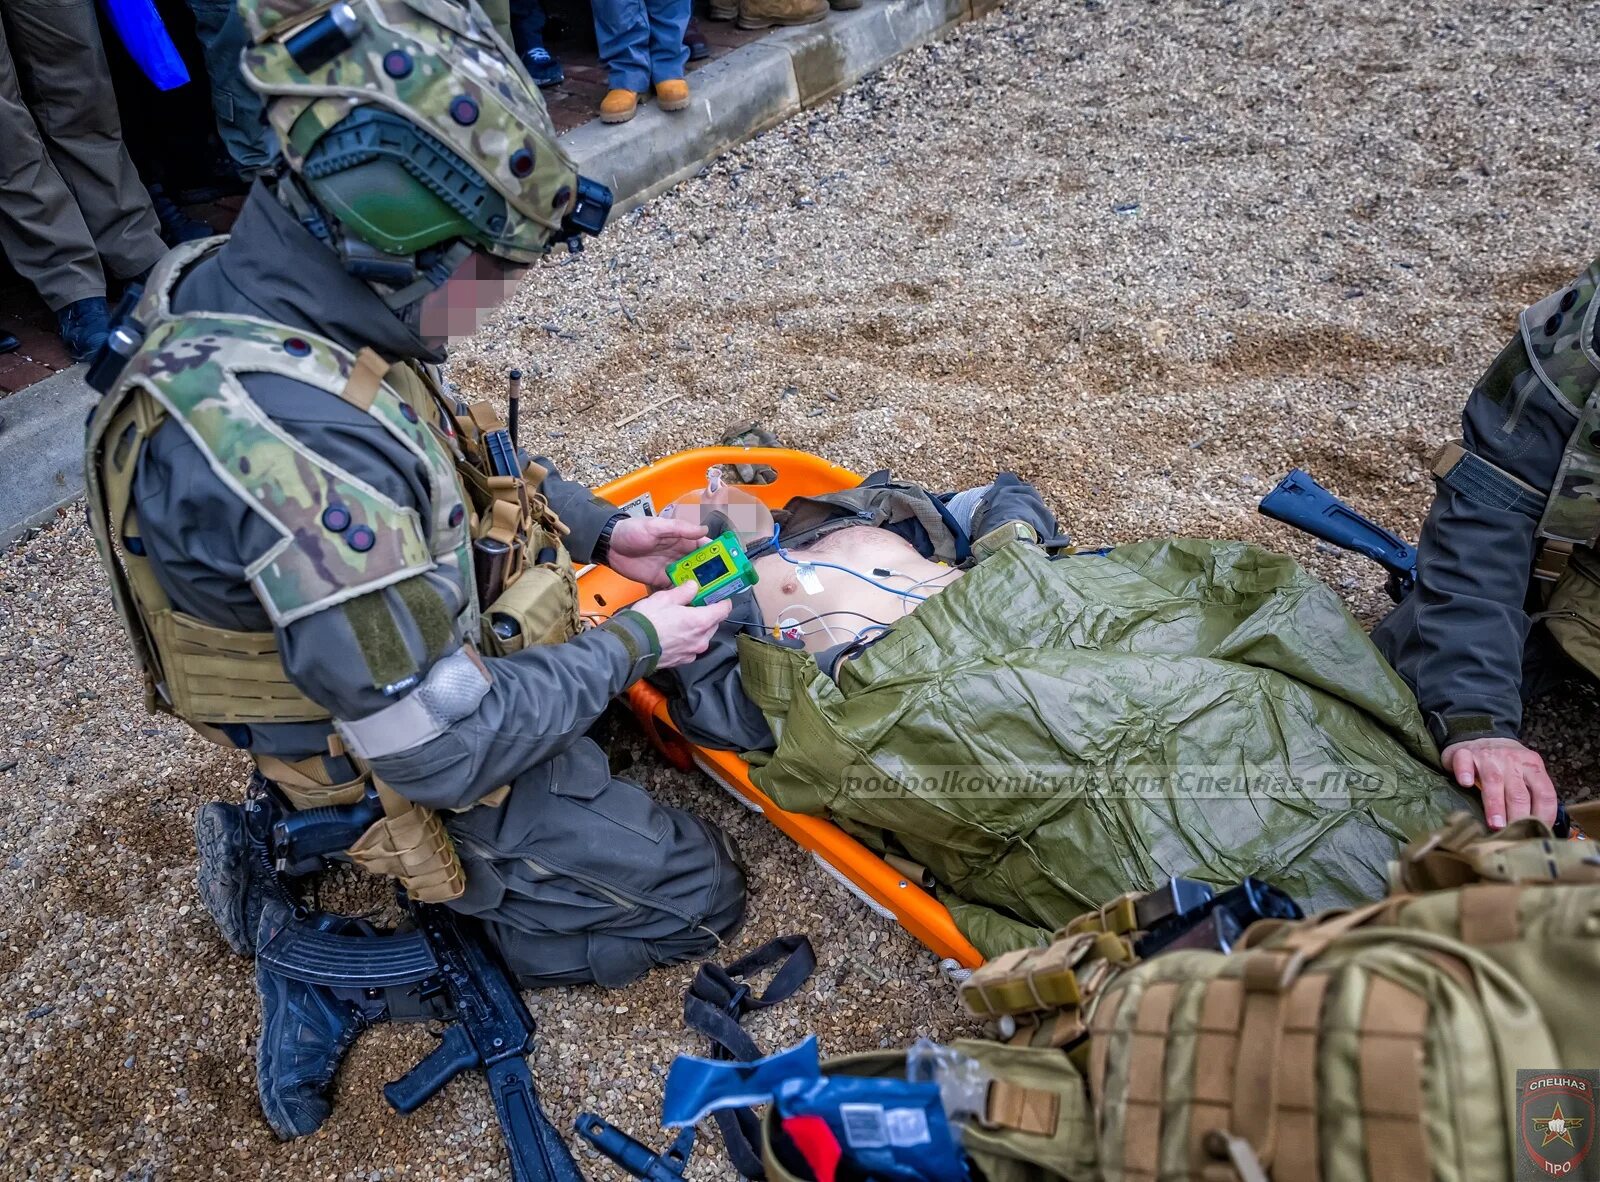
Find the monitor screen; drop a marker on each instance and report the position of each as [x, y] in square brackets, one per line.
[711, 570]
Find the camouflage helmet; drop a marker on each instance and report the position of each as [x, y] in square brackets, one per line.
[410, 123]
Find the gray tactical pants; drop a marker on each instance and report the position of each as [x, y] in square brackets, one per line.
[604, 884]
[69, 194]
[239, 110]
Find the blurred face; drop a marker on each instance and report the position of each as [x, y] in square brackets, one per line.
[458, 308]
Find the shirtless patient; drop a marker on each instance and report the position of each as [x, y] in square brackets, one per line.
[844, 568]
[838, 606]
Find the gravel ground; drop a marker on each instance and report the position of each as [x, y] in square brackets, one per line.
[1149, 255]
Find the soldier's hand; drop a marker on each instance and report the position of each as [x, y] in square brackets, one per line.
[641, 547]
[684, 631]
[1510, 777]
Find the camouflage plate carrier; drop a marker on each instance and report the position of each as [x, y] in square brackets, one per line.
[340, 538]
[1375, 1045]
[1558, 346]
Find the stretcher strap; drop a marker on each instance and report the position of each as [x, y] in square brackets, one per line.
[716, 1002]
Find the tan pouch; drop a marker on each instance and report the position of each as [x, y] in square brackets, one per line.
[412, 845]
[306, 785]
[543, 602]
[1572, 613]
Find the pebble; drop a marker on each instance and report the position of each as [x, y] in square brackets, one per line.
[974, 310]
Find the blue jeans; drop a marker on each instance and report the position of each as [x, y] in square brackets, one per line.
[641, 41]
[527, 25]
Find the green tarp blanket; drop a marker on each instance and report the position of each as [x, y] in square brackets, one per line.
[1047, 734]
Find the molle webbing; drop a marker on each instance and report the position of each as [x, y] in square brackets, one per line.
[1464, 852]
[217, 676]
[1212, 1079]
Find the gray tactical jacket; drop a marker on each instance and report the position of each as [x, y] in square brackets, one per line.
[201, 537]
[1466, 639]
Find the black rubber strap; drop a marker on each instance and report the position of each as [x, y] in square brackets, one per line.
[718, 1000]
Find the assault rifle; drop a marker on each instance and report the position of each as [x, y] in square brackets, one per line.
[1183, 913]
[1303, 503]
[441, 969]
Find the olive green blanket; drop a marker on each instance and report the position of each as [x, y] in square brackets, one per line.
[1045, 735]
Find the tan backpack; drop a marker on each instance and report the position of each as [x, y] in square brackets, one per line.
[1378, 1044]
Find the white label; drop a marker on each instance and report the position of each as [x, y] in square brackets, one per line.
[641, 506]
[864, 1126]
[807, 574]
[907, 1127]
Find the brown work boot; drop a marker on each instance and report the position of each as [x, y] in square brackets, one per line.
[763, 14]
[618, 106]
[673, 94]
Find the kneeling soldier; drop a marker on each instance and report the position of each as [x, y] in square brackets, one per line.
[1508, 581]
[290, 512]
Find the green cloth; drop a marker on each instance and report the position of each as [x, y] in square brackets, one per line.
[1045, 735]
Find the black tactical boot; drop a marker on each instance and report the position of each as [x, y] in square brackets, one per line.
[305, 1032]
[176, 226]
[231, 883]
[84, 326]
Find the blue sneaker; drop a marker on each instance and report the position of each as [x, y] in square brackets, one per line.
[544, 69]
[84, 326]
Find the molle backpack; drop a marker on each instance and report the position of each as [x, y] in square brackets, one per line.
[1431, 1035]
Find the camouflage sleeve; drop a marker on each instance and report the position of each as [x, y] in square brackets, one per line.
[579, 509]
[535, 704]
[1459, 638]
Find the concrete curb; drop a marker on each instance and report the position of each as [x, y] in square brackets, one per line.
[735, 98]
[41, 451]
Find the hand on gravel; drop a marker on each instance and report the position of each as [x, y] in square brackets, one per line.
[684, 631]
[1510, 777]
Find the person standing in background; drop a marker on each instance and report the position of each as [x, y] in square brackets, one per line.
[241, 123]
[72, 207]
[527, 36]
[641, 44]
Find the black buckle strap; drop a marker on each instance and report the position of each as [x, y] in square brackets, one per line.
[716, 1002]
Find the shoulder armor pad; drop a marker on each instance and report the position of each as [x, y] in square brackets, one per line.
[1559, 333]
[340, 537]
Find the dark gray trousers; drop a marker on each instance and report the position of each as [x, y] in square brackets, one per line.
[605, 885]
[69, 194]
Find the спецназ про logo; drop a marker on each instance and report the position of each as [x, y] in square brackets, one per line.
[1555, 1132]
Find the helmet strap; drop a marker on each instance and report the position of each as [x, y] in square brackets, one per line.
[298, 202]
[431, 277]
